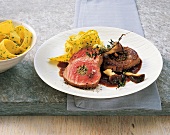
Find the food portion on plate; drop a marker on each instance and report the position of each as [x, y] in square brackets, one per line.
[87, 62]
[83, 71]
[77, 42]
[14, 40]
[120, 64]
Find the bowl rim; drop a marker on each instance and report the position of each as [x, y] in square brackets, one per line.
[34, 39]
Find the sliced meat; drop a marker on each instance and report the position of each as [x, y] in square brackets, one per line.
[82, 74]
[83, 71]
[88, 53]
[121, 60]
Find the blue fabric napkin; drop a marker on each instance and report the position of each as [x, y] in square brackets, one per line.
[121, 14]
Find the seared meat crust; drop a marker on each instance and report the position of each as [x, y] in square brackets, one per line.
[121, 61]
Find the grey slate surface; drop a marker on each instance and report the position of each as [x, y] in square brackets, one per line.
[22, 92]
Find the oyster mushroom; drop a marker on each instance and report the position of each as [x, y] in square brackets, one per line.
[117, 47]
[137, 78]
[109, 72]
[114, 78]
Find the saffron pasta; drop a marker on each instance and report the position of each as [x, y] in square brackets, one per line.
[77, 42]
[14, 40]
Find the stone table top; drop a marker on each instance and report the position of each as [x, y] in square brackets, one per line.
[22, 92]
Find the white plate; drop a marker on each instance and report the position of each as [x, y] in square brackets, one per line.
[151, 62]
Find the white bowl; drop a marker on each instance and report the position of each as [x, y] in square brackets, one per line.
[9, 63]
